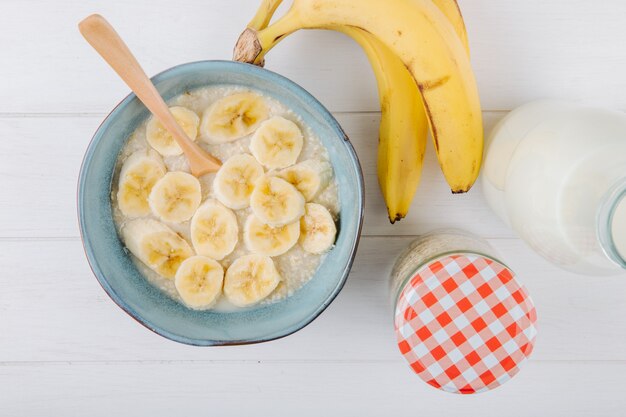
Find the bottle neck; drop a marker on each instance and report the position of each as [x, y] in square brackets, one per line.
[611, 223]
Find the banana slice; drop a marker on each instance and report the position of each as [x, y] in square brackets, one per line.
[199, 282]
[162, 141]
[267, 240]
[317, 229]
[277, 143]
[250, 279]
[233, 117]
[175, 197]
[309, 177]
[156, 245]
[139, 173]
[235, 181]
[214, 230]
[276, 202]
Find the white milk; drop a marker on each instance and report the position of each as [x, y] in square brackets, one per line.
[556, 173]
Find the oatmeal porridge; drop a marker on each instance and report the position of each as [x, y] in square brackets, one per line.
[252, 233]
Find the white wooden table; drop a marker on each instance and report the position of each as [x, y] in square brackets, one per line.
[67, 350]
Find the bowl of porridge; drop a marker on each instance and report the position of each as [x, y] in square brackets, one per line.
[251, 253]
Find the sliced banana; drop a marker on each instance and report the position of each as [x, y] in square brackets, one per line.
[199, 281]
[233, 117]
[276, 202]
[140, 172]
[250, 279]
[267, 240]
[214, 230]
[235, 181]
[317, 229]
[156, 245]
[309, 177]
[162, 141]
[277, 143]
[175, 197]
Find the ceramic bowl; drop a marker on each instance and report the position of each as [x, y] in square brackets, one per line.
[114, 268]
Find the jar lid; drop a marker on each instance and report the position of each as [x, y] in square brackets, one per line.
[465, 324]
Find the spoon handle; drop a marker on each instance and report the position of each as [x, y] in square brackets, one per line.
[105, 40]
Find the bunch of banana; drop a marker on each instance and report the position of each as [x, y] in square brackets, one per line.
[418, 51]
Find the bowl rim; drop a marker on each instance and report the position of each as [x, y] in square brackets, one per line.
[153, 327]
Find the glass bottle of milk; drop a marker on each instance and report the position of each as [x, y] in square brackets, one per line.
[555, 172]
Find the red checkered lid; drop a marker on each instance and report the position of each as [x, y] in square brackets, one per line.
[465, 324]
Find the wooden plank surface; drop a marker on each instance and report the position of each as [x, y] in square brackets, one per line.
[521, 50]
[42, 203]
[307, 389]
[55, 310]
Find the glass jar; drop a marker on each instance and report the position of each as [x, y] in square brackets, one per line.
[462, 319]
[555, 172]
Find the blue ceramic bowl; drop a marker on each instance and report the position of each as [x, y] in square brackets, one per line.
[120, 278]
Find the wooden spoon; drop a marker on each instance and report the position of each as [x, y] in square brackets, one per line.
[105, 40]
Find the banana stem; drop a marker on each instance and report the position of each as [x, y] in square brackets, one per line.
[253, 44]
[264, 14]
[247, 46]
[273, 34]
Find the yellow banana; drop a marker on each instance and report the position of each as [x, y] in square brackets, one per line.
[451, 9]
[264, 14]
[404, 126]
[417, 32]
[403, 130]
